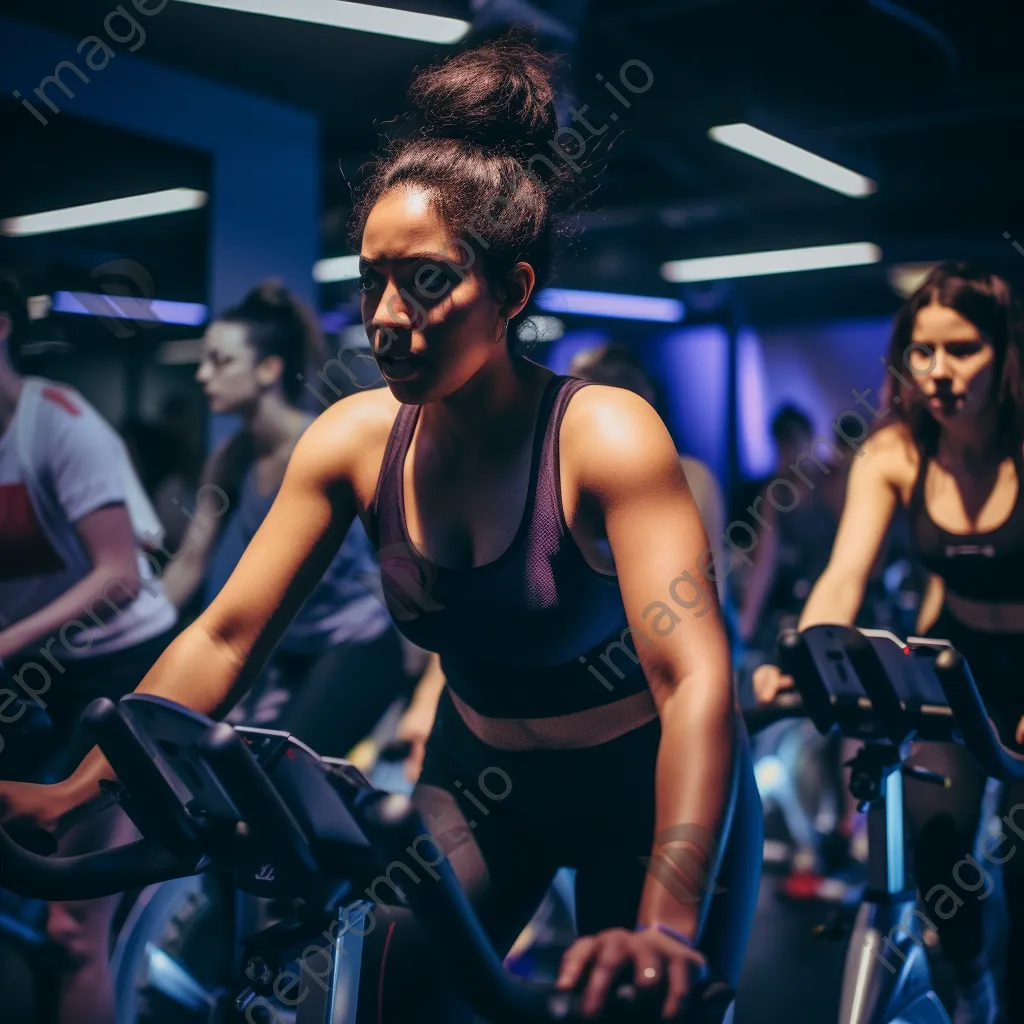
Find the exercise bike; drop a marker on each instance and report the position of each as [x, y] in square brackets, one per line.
[872, 686]
[310, 833]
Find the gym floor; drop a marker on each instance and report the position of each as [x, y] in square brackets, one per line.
[789, 974]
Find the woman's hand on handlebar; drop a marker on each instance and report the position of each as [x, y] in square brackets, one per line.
[656, 958]
[28, 803]
[1020, 732]
[769, 682]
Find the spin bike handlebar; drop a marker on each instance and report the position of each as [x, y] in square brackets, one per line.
[175, 845]
[980, 735]
[845, 681]
[88, 875]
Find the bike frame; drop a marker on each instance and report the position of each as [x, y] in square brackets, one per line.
[337, 1001]
[887, 979]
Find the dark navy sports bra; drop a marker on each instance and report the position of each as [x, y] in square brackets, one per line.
[535, 633]
[985, 566]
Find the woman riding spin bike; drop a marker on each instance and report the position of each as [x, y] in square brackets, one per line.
[547, 519]
[949, 447]
[339, 665]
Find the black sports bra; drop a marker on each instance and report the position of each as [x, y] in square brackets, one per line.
[986, 566]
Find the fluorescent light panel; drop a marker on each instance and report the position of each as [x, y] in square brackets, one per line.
[779, 261]
[612, 305]
[336, 268]
[384, 21]
[773, 150]
[125, 307]
[111, 211]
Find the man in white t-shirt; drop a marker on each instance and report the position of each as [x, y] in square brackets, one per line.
[79, 616]
[77, 469]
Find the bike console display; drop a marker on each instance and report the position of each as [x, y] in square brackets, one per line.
[874, 686]
[257, 802]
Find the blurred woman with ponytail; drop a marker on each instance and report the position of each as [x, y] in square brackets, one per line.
[339, 665]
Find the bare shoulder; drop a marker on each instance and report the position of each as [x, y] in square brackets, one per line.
[612, 438]
[346, 442]
[892, 454]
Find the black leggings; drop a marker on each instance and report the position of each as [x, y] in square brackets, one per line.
[944, 824]
[944, 827]
[337, 697]
[508, 821]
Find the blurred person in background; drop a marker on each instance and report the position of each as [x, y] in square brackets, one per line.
[73, 518]
[340, 665]
[951, 452]
[163, 467]
[792, 550]
[792, 547]
[181, 422]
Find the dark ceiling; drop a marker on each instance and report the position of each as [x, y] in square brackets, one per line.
[926, 97]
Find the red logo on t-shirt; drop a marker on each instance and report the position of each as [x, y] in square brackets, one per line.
[24, 548]
[63, 399]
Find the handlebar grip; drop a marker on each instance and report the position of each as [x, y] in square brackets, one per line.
[786, 705]
[707, 1002]
[796, 660]
[980, 735]
[871, 672]
[33, 838]
[259, 802]
[88, 876]
[159, 811]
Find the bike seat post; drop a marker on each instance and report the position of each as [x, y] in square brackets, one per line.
[887, 867]
[876, 780]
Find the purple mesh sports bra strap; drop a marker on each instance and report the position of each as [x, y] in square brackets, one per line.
[385, 496]
[549, 485]
[916, 506]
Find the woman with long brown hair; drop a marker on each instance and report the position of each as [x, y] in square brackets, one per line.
[949, 447]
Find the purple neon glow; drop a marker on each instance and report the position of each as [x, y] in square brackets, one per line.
[561, 353]
[334, 320]
[692, 365]
[612, 305]
[757, 454]
[127, 307]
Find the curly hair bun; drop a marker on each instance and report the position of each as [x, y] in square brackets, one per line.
[499, 95]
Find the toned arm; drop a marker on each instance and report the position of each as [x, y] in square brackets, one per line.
[707, 495]
[871, 498]
[113, 582]
[619, 458]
